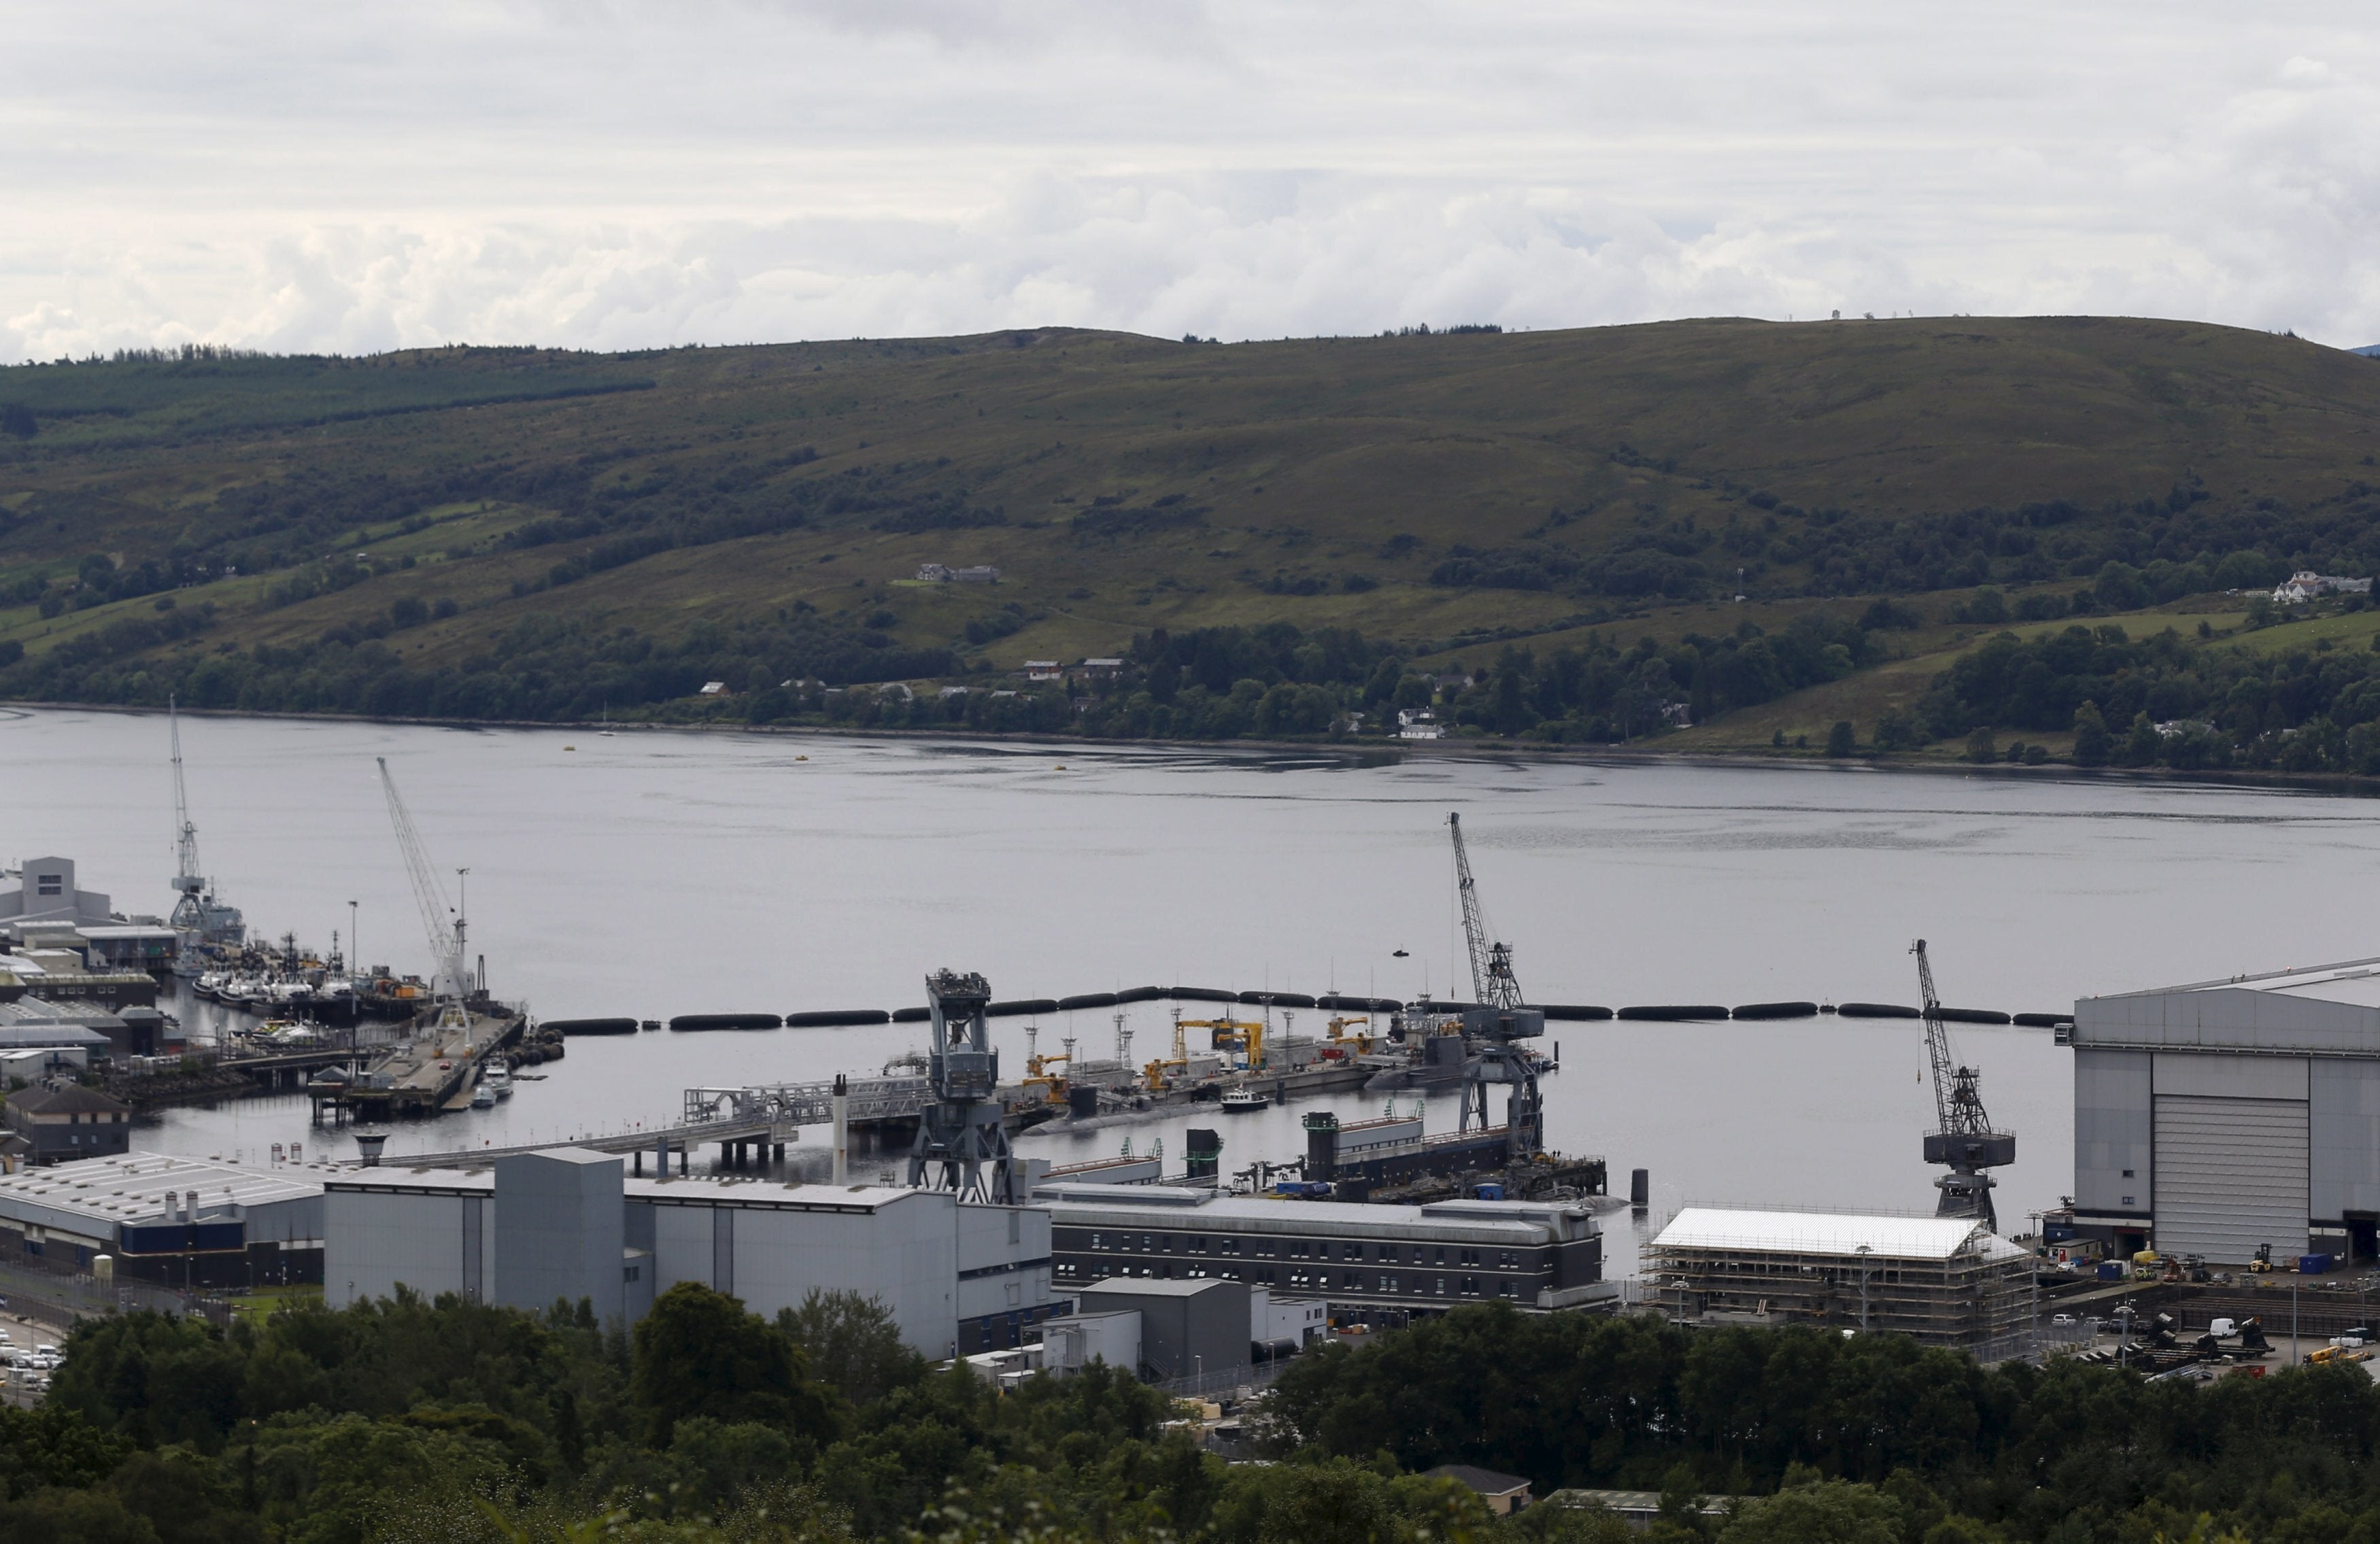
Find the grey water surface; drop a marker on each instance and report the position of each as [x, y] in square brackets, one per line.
[653, 873]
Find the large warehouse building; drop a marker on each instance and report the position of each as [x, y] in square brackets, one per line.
[569, 1223]
[2220, 1117]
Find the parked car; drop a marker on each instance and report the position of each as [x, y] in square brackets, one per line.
[2062, 1321]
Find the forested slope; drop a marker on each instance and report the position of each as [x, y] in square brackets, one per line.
[477, 532]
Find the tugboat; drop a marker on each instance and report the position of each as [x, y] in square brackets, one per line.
[497, 1080]
[1243, 1099]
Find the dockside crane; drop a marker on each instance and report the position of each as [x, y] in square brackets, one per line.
[1963, 1139]
[447, 926]
[196, 911]
[1492, 981]
[1491, 1029]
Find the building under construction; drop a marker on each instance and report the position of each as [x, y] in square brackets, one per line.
[1947, 1280]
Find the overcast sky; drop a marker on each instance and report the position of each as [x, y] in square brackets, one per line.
[606, 174]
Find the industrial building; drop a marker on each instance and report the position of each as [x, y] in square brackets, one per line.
[62, 1121]
[45, 892]
[2222, 1117]
[1948, 1281]
[958, 1278]
[1188, 1329]
[1374, 1263]
[174, 1221]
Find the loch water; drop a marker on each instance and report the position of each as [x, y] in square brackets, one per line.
[653, 873]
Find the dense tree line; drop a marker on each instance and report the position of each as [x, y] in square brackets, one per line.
[458, 1422]
[451, 1420]
[1905, 1442]
[2163, 700]
[2130, 555]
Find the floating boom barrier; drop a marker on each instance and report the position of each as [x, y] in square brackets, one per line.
[1660, 1013]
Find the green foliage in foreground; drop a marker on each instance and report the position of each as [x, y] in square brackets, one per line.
[451, 1421]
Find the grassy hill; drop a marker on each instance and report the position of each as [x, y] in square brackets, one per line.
[746, 511]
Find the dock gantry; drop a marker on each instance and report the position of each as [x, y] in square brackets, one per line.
[1962, 1138]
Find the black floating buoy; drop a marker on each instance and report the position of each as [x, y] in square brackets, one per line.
[685, 1022]
[911, 1015]
[826, 1018]
[1572, 1011]
[1778, 1010]
[591, 1025]
[1878, 1010]
[1087, 1000]
[652, 1024]
[1675, 1013]
[1278, 999]
[1201, 994]
[1972, 1016]
[1142, 995]
[1018, 1006]
[2041, 1021]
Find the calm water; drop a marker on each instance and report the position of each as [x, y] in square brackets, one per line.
[652, 874]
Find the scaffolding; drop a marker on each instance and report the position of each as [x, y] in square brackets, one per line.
[1946, 1281]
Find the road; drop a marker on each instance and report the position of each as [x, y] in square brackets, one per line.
[25, 1334]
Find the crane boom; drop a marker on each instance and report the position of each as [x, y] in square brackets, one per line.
[1938, 1037]
[1962, 1138]
[445, 937]
[189, 882]
[1492, 981]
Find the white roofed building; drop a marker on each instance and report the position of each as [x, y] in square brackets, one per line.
[1948, 1281]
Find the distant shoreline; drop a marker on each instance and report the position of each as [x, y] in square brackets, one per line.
[2338, 784]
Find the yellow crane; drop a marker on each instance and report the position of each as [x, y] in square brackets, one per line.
[1358, 1042]
[1037, 1073]
[1242, 1038]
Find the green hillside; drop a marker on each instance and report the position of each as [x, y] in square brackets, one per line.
[479, 532]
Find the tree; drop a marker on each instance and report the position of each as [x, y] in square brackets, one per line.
[1842, 740]
[1828, 1513]
[2143, 744]
[1896, 731]
[2091, 746]
[1981, 747]
[852, 1343]
[697, 1353]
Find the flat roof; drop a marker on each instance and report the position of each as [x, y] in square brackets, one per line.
[2312, 1010]
[691, 1190]
[1146, 1286]
[1825, 1233]
[132, 1187]
[1174, 1208]
[45, 1034]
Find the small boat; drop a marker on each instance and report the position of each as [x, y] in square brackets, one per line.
[497, 1079]
[605, 732]
[484, 1098]
[1241, 1099]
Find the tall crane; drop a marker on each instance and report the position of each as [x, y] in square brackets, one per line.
[1491, 1029]
[1963, 1139]
[447, 923]
[1492, 982]
[189, 911]
[195, 910]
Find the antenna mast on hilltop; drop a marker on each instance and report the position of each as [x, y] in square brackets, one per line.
[447, 926]
[1492, 981]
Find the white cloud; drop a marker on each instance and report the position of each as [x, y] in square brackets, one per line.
[635, 174]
